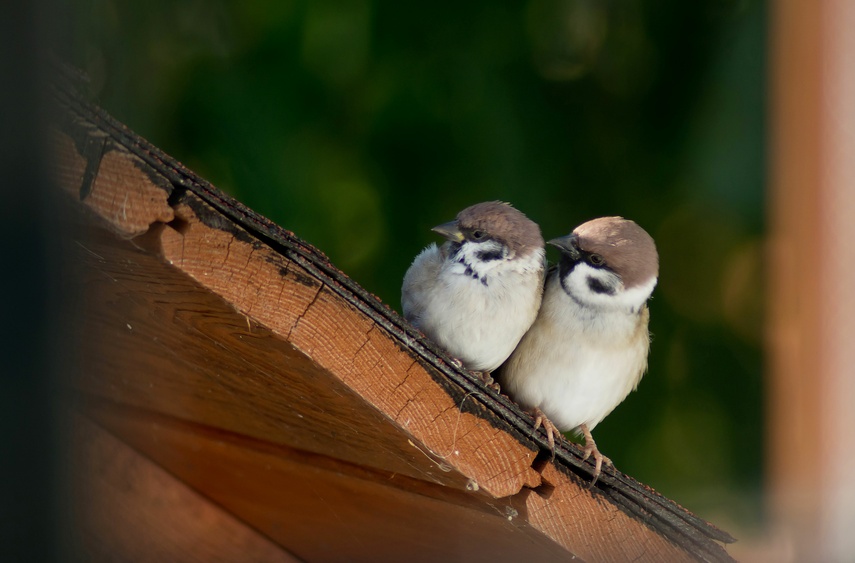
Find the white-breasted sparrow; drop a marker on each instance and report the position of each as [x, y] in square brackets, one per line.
[478, 293]
[588, 347]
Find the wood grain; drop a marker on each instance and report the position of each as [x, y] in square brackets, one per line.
[594, 529]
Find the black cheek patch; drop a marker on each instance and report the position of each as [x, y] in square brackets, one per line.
[597, 286]
[489, 255]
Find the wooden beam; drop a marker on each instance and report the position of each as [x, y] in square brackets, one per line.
[239, 359]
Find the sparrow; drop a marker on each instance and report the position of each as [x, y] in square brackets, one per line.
[588, 347]
[478, 293]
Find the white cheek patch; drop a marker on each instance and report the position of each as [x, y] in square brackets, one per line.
[640, 293]
[600, 288]
[471, 256]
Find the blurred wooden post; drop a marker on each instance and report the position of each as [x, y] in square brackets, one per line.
[811, 412]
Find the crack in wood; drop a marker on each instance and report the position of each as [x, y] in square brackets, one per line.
[92, 151]
[305, 311]
[364, 343]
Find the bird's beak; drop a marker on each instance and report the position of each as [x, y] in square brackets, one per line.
[568, 244]
[450, 230]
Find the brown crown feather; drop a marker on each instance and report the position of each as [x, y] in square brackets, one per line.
[626, 248]
[504, 223]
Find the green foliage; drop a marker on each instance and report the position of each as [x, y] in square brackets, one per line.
[360, 124]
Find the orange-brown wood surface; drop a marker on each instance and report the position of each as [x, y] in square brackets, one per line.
[262, 383]
[150, 515]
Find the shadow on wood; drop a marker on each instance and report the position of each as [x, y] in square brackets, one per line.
[237, 358]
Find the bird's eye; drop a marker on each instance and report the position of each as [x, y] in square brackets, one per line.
[596, 259]
[478, 235]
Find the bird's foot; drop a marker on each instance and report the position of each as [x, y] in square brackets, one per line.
[591, 450]
[486, 377]
[540, 419]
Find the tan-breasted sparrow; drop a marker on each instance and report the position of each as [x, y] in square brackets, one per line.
[477, 294]
[588, 347]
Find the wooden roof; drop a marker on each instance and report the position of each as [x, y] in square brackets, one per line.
[279, 393]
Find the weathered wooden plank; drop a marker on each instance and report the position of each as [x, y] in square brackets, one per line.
[177, 349]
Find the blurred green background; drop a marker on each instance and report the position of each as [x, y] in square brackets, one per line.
[360, 124]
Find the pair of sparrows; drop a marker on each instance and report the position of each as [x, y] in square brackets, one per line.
[568, 344]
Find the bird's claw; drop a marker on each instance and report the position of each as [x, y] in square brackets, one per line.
[540, 419]
[487, 379]
[591, 449]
